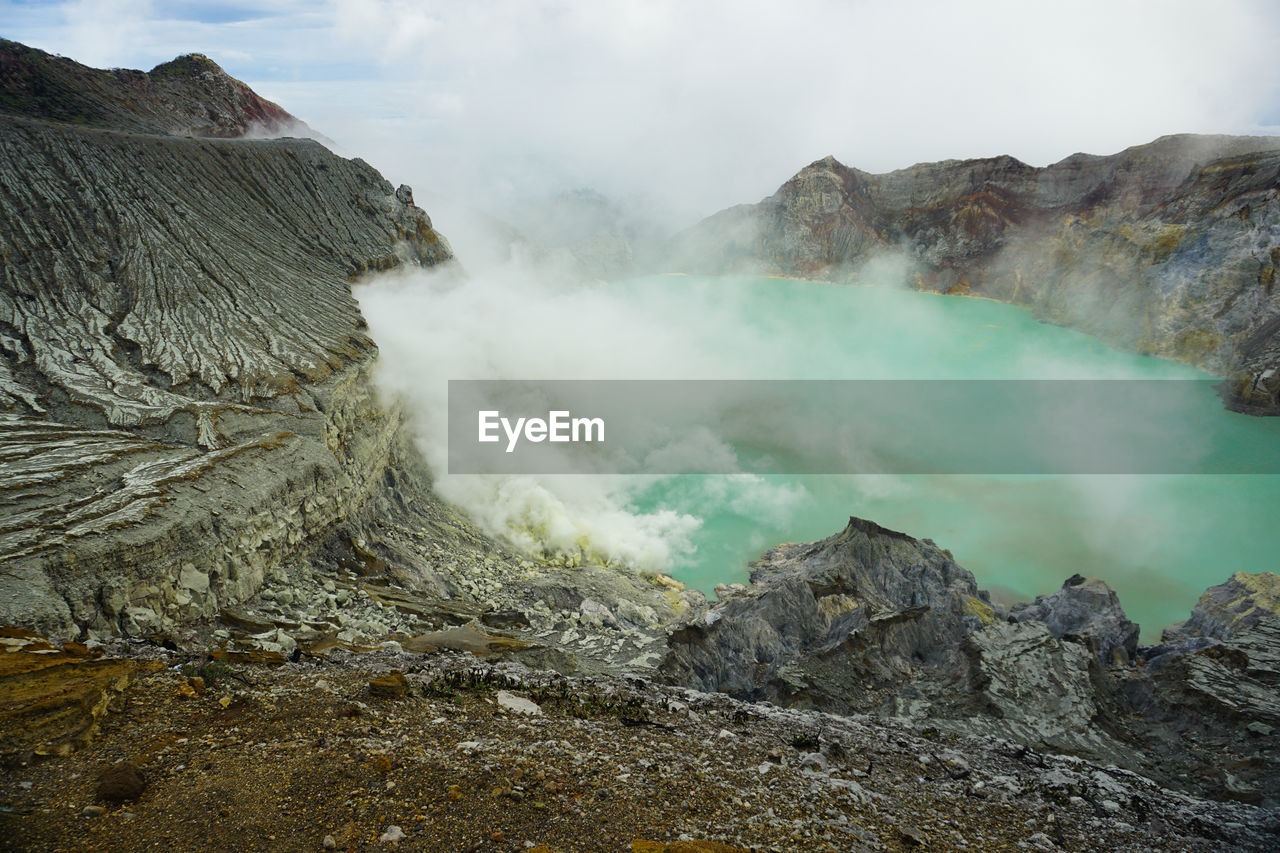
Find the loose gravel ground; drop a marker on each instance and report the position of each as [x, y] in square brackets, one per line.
[464, 755]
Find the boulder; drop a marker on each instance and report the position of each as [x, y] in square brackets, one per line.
[121, 783]
[821, 622]
[1085, 610]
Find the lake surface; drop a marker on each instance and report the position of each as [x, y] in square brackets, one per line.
[1159, 540]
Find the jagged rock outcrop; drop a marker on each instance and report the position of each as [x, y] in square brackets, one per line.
[1228, 608]
[824, 624]
[1088, 609]
[875, 621]
[1222, 668]
[1170, 248]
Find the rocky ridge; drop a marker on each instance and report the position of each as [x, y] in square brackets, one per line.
[187, 96]
[1170, 248]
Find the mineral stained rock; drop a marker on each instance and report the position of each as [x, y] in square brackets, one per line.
[52, 699]
[1169, 248]
[1237, 605]
[187, 96]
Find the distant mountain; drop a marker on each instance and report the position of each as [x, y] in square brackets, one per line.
[1170, 248]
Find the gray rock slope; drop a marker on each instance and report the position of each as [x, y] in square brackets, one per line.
[1170, 248]
[186, 411]
[873, 621]
[184, 381]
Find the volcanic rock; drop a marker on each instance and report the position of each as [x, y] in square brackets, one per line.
[1087, 610]
[1166, 248]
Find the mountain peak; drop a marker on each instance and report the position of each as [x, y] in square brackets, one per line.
[189, 64]
[190, 95]
[828, 162]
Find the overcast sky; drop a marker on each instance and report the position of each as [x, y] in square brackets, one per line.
[698, 104]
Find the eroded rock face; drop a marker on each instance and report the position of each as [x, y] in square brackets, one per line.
[185, 400]
[54, 697]
[1222, 667]
[185, 382]
[1228, 608]
[188, 427]
[822, 622]
[1170, 248]
[154, 276]
[1027, 685]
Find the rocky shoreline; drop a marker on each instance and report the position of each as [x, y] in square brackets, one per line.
[873, 621]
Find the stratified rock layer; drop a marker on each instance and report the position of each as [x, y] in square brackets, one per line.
[54, 698]
[150, 276]
[184, 373]
[186, 404]
[1170, 248]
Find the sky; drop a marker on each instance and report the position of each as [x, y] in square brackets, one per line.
[684, 107]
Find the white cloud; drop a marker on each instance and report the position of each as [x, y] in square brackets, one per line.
[717, 102]
[712, 103]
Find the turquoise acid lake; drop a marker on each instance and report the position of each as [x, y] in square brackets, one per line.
[1158, 539]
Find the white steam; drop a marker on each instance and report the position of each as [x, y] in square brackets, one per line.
[528, 318]
[515, 320]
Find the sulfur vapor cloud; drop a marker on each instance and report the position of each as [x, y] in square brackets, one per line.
[520, 318]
